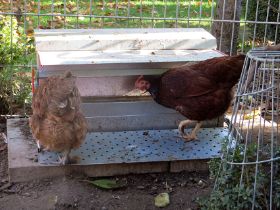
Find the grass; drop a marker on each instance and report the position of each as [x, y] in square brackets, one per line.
[71, 14]
[113, 13]
[109, 14]
[104, 12]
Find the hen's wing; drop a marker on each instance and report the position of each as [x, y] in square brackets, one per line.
[80, 129]
[39, 100]
[62, 95]
[185, 83]
[56, 97]
[39, 109]
[202, 78]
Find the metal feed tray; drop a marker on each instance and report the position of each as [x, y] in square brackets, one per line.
[113, 153]
[144, 146]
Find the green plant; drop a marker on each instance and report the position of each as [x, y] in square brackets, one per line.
[16, 52]
[233, 193]
[261, 16]
[15, 46]
[15, 88]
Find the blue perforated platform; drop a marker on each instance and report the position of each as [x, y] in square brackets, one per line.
[144, 146]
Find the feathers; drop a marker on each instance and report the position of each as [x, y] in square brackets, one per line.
[200, 91]
[57, 122]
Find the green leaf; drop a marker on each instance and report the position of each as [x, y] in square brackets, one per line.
[106, 184]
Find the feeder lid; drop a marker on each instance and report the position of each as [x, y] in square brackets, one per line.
[124, 39]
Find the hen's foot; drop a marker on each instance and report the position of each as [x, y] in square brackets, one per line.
[40, 147]
[182, 125]
[192, 136]
[189, 137]
[64, 160]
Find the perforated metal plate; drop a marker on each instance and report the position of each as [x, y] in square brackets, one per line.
[144, 146]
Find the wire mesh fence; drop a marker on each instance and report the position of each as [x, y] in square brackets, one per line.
[237, 25]
[249, 173]
[258, 20]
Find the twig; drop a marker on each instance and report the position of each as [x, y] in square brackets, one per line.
[5, 186]
[2, 148]
[13, 116]
[4, 138]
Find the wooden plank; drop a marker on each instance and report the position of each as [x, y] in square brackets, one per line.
[148, 32]
[85, 71]
[124, 39]
[189, 165]
[22, 152]
[94, 58]
[117, 63]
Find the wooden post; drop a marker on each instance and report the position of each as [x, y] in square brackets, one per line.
[223, 31]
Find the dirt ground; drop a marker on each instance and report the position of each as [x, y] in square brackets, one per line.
[72, 192]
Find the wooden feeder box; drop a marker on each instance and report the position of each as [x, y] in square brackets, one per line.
[128, 131]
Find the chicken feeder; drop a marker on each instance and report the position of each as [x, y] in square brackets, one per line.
[128, 131]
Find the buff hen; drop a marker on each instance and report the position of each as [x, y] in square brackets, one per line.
[57, 122]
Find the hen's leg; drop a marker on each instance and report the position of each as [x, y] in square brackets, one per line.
[40, 147]
[194, 131]
[65, 159]
[182, 126]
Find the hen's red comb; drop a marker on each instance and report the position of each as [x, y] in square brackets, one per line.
[138, 79]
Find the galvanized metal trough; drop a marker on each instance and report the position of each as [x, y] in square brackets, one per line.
[129, 132]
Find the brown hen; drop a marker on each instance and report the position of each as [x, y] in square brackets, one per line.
[57, 122]
[201, 91]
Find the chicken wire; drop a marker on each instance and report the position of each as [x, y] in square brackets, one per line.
[44, 14]
[235, 25]
[260, 98]
[252, 152]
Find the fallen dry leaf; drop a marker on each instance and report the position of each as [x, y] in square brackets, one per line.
[252, 115]
[162, 200]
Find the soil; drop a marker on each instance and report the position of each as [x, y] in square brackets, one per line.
[72, 192]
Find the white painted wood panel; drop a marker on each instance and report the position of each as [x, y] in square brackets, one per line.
[124, 39]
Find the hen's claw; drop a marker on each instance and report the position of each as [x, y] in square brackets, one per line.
[181, 129]
[64, 160]
[182, 126]
[189, 137]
